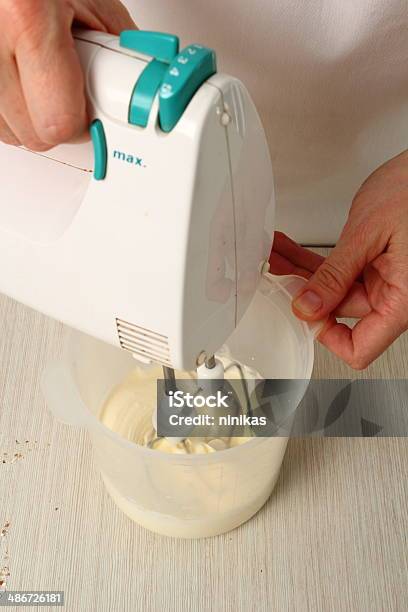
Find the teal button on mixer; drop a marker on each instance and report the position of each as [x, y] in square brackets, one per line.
[177, 76]
[145, 92]
[100, 149]
[163, 47]
[185, 75]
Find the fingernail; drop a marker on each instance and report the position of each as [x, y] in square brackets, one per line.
[308, 303]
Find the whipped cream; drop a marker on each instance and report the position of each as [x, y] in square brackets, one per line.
[128, 410]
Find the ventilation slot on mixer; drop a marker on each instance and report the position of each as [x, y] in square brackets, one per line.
[143, 342]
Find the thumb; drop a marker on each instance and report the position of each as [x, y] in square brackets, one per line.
[331, 282]
[113, 16]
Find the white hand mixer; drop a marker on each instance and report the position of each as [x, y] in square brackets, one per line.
[154, 236]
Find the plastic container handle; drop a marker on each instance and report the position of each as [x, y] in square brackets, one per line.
[292, 284]
[62, 396]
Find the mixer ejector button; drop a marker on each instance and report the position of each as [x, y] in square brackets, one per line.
[225, 119]
[201, 358]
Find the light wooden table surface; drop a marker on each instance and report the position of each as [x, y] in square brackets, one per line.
[332, 537]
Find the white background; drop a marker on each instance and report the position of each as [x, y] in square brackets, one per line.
[330, 80]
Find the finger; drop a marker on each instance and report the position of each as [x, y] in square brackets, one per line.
[365, 342]
[86, 18]
[119, 19]
[111, 16]
[356, 304]
[7, 135]
[13, 108]
[286, 259]
[301, 257]
[333, 279]
[51, 75]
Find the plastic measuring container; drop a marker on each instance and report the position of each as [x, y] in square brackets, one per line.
[187, 496]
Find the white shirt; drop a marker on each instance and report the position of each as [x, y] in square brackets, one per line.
[330, 81]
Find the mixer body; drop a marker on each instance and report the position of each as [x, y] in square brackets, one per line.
[148, 239]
